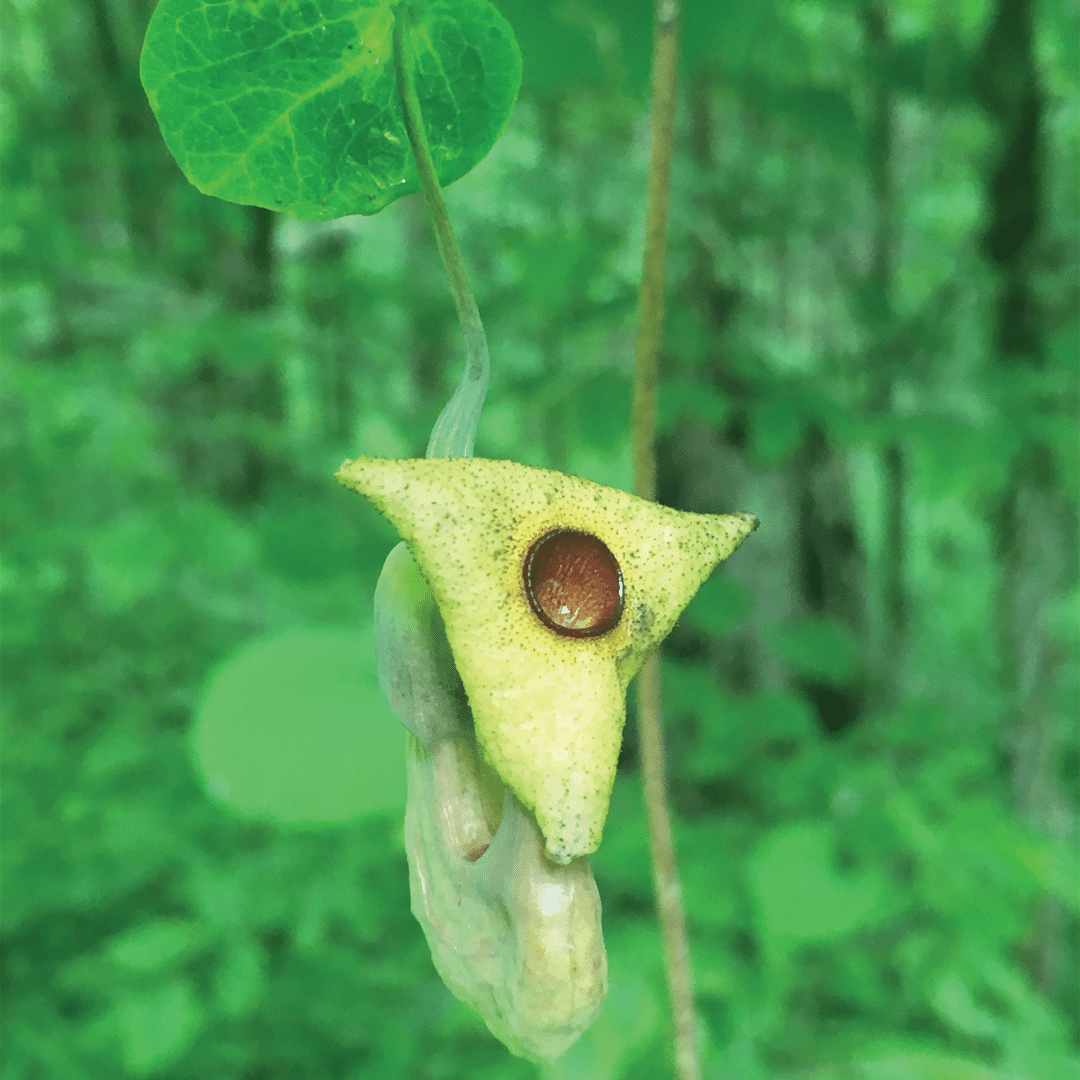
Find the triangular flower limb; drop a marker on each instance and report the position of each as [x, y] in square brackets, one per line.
[553, 590]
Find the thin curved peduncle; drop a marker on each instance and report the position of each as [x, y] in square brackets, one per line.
[455, 429]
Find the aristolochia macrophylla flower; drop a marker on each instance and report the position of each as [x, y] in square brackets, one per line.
[553, 590]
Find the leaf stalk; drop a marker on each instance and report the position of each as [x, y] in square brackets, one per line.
[453, 433]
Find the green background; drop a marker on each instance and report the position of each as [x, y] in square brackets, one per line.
[871, 709]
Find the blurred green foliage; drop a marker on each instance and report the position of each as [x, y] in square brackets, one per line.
[294, 729]
[869, 896]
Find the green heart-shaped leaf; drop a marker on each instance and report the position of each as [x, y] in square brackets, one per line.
[293, 104]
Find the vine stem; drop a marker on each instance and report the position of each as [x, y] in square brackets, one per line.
[669, 903]
[452, 435]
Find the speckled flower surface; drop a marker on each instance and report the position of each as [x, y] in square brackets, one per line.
[548, 708]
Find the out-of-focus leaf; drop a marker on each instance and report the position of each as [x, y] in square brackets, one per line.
[240, 978]
[690, 689]
[955, 1004]
[129, 557]
[157, 1025]
[800, 897]
[158, 945]
[709, 867]
[296, 730]
[914, 1064]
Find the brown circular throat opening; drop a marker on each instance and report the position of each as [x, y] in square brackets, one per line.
[574, 583]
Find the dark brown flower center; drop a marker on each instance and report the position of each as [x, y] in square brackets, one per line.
[574, 583]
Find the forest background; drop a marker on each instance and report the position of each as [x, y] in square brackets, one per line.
[871, 710]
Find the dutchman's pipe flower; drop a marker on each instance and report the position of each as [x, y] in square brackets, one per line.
[507, 628]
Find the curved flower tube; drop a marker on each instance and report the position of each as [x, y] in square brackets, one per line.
[511, 934]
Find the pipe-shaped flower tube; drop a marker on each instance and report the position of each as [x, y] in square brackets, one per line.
[513, 935]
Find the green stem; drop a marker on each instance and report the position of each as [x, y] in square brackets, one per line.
[455, 429]
[669, 904]
[651, 291]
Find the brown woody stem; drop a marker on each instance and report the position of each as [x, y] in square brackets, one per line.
[668, 889]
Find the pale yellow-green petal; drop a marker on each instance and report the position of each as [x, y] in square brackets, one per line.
[548, 709]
